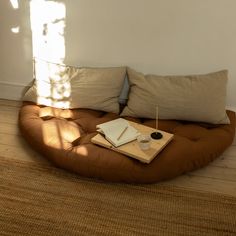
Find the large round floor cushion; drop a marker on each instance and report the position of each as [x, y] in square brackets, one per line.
[64, 137]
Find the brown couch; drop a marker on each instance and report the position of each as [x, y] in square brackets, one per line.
[64, 137]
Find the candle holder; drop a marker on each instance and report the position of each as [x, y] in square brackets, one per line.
[156, 134]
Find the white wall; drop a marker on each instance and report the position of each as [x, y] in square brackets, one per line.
[152, 36]
[15, 49]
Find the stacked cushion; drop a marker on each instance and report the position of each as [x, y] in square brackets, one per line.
[190, 107]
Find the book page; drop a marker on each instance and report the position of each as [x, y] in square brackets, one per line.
[118, 131]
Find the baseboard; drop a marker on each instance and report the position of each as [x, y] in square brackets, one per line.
[232, 108]
[11, 90]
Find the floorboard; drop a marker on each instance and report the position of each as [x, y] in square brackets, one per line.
[10, 103]
[6, 128]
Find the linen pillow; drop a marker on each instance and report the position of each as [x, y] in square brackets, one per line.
[71, 87]
[193, 98]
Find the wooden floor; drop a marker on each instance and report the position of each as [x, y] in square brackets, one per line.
[219, 176]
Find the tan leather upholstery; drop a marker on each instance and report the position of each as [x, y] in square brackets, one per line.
[63, 137]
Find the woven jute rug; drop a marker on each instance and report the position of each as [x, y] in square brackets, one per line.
[38, 199]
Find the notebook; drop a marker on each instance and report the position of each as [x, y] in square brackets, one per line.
[118, 131]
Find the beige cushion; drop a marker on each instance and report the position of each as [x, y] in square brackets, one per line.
[193, 98]
[70, 87]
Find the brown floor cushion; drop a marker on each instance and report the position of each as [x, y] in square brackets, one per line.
[63, 137]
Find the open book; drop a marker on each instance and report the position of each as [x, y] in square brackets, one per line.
[118, 131]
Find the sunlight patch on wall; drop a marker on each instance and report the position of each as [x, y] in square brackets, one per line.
[48, 27]
[15, 30]
[15, 4]
[47, 24]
